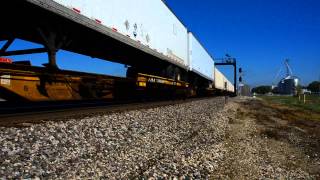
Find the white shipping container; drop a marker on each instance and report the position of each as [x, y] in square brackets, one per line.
[199, 59]
[150, 22]
[221, 82]
[230, 86]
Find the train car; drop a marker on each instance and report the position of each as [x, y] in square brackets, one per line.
[149, 22]
[200, 61]
[221, 83]
[24, 83]
[162, 56]
[230, 87]
[153, 25]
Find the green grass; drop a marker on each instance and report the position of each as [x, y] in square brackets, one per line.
[312, 101]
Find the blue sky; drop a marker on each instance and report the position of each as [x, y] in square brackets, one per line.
[259, 33]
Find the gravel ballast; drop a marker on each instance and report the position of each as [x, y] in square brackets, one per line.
[182, 140]
[203, 139]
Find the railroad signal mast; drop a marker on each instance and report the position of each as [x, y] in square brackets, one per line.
[229, 61]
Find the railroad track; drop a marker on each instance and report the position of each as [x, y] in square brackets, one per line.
[26, 115]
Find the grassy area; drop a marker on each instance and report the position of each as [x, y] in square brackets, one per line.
[312, 102]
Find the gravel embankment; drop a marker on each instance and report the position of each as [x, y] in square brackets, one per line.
[172, 141]
[264, 142]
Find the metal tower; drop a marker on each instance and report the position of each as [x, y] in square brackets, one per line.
[289, 70]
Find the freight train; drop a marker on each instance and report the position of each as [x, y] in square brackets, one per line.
[163, 57]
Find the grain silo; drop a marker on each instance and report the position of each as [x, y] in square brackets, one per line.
[289, 84]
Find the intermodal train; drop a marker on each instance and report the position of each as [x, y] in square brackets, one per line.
[164, 57]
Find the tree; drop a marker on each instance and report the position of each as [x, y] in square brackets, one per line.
[261, 89]
[314, 86]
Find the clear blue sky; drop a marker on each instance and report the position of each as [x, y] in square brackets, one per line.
[259, 33]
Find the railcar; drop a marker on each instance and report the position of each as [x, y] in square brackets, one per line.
[163, 56]
[25, 83]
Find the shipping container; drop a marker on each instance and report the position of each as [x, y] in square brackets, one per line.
[149, 22]
[221, 82]
[230, 86]
[200, 61]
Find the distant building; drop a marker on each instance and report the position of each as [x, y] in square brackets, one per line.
[244, 90]
[306, 91]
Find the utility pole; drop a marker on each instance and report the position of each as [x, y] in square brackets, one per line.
[319, 85]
